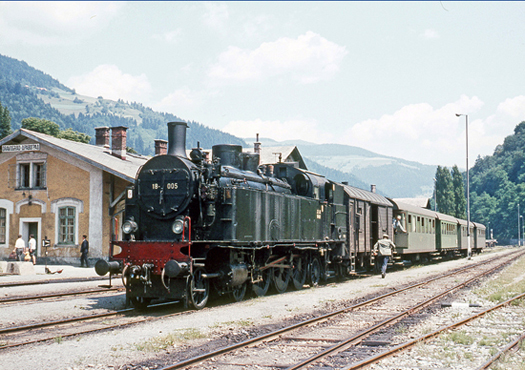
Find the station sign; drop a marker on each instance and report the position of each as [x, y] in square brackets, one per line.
[20, 148]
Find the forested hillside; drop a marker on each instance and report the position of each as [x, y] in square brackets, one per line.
[497, 187]
[27, 92]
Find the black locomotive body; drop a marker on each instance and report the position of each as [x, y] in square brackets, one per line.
[225, 224]
[194, 225]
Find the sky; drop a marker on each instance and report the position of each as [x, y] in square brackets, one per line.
[389, 77]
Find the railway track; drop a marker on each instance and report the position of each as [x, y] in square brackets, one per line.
[316, 342]
[22, 335]
[53, 281]
[491, 325]
[17, 299]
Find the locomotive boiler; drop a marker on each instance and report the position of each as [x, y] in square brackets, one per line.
[226, 224]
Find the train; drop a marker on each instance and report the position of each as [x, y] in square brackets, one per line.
[220, 223]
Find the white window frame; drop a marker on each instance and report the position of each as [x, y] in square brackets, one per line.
[32, 160]
[78, 205]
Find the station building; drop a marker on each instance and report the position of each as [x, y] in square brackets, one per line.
[60, 190]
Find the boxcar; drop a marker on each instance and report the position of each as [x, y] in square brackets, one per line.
[369, 217]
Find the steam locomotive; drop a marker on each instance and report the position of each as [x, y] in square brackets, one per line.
[227, 225]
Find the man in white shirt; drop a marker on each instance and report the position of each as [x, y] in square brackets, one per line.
[32, 248]
[20, 247]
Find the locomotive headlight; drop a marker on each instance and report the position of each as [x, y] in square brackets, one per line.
[178, 226]
[129, 226]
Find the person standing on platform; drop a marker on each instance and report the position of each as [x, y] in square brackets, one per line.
[84, 250]
[32, 248]
[20, 247]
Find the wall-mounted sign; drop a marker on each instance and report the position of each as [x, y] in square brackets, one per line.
[20, 148]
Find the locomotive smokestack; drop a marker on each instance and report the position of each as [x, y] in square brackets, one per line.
[177, 138]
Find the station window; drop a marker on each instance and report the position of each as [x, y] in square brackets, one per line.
[31, 175]
[3, 223]
[66, 228]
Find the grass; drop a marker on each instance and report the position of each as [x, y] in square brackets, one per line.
[401, 329]
[170, 340]
[238, 323]
[58, 339]
[510, 282]
[460, 337]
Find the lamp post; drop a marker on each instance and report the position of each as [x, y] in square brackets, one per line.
[522, 231]
[435, 196]
[469, 250]
[518, 224]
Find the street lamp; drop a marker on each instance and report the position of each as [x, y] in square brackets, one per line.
[435, 196]
[469, 250]
[522, 228]
[519, 225]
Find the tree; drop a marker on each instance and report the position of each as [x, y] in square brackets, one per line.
[5, 122]
[51, 128]
[460, 202]
[444, 191]
[72, 135]
[41, 125]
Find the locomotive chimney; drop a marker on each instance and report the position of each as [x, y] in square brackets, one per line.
[118, 141]
[161, 147]
[177, 138]
[373, 188]
[102, 136]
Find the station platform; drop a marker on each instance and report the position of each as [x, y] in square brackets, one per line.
[26, 271]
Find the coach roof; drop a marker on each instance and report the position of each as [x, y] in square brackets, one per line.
[365, 195]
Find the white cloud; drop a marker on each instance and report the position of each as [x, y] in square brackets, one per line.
[170, 37]
[430, 34]
[180, 102]
[307, 59]
[111, 83]
[298, 129]
[416, 132]
[422, 133]
[514, 107]
[216, 15]
[52, 23]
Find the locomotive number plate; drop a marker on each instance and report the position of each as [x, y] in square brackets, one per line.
[169, 186]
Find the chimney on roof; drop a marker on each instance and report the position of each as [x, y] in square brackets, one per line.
[161, 147]
[257, 145]
[102, 136]
[373, 188]
[118, 141]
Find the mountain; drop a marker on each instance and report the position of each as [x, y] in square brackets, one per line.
[394, 177]
[497, 191]
[28, 92]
